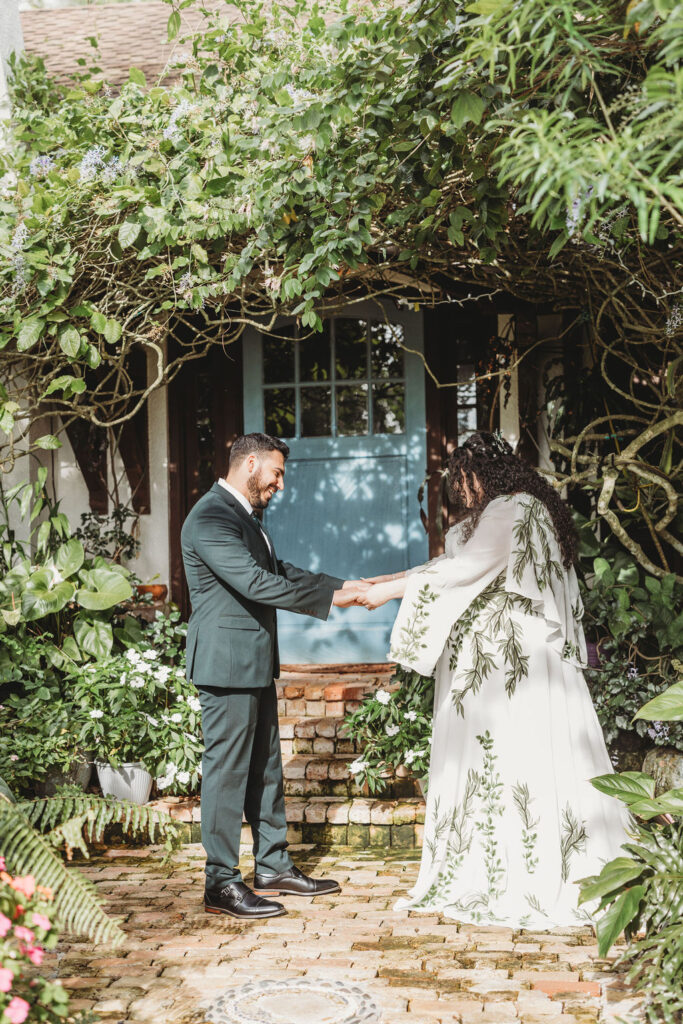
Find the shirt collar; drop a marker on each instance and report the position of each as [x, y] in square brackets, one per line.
[244, 502]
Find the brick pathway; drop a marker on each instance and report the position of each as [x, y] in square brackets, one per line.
[418, 969]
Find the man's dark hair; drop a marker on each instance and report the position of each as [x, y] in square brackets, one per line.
[259, 444]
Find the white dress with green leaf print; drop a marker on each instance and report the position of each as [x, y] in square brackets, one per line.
[512, 820]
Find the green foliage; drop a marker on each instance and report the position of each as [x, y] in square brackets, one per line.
[110, 536]
[636, 621]
[394, 728]
[31, 833]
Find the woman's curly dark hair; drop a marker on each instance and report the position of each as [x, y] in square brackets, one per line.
[488, 461]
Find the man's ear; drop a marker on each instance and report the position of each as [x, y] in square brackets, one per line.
[252, 462]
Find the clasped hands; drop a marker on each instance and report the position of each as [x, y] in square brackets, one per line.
[371, 592]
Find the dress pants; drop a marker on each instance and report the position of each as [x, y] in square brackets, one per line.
[241, 772]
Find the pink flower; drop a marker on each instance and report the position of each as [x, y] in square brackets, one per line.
[40, 921]
[2, 864]
[14, 757]
[35, 955]
[23, 934]
[6, 979]
[17, 1011]
[5, 925]
[25, 884]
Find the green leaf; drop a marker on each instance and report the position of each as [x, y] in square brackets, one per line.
[69, 558]
[112, 331]
[467, 107]
[29, 332]
[99, 320]
[216, 186]
[670, 802]
[44, 594]
[70, 342]
[665, 707]
[103, 589]
[626, 786]
[94, 637]
[137, 76]
[173, 25]
[614, 875]
[128, 232]
[623, 911]
[48, 442]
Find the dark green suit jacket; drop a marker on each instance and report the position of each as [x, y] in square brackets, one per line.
[235, 587]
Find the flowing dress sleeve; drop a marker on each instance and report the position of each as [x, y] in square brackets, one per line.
[439, 594]
[514, 544]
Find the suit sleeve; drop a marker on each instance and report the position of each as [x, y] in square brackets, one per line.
[219, 544]
[294, 575]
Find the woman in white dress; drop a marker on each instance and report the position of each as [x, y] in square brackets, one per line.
[512, 821]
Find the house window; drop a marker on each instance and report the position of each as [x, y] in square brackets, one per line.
[467, 401]
[347, 382]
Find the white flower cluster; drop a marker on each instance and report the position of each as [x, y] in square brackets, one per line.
[392, 730]
[358, 766]
[410, 716]
[412, 755]
[192, 702]
[383, 696]
[97, 713]
[172, 775]
[172, 131]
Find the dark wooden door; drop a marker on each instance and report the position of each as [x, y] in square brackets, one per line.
[204, 417]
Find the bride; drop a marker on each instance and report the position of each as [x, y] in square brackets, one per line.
[512, 820]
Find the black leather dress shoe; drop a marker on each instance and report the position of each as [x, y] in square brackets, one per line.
[293, 883]
[237, 900]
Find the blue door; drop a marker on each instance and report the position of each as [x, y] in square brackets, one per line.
[350, 404]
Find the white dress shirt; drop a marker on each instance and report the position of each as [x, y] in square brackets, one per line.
[246, 505]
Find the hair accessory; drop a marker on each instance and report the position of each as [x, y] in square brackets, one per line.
[486, 445]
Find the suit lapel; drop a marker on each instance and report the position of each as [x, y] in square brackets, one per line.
[243, 514]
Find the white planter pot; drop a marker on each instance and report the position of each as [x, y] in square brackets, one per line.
[128, 782]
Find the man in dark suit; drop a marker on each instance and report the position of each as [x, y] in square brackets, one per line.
[236, 584]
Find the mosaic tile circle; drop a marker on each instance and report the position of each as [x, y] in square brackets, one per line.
[295, 1001]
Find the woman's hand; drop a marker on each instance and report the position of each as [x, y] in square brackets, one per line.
[379, 593]
[384, 579]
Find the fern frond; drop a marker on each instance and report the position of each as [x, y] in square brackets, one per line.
[77, 907]
[51, 815]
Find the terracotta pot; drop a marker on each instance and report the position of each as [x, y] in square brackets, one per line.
[159, 591]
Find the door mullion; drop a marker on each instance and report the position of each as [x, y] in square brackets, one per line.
[297, 388]
[368, 374]
[333, 378]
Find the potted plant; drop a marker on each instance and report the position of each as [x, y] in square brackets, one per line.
[141, 716]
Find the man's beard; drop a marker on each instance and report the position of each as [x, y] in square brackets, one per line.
[255, 487]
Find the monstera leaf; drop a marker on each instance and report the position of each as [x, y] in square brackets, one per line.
[102, 589]
[46, 592]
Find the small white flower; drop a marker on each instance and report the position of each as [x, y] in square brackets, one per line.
[180, 673]
[164, 781]
[194, 704]
[383, 696]
[392, 730]
[152, 721]
[97, 714]
[176, 718]
[358, 766]
[132, 656]
[410, 716]
[409, 756]
[150, 655]
[137, 682]
[199, 768]
[183, 778]
[163, 674]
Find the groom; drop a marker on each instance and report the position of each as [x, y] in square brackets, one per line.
[236, 584]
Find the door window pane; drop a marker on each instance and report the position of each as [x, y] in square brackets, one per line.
[467, 401]
[278, 358]
[388, 409]
[351, 348]
[387, 354]
[314, 356]
[316, 412]
[352, 410]
[280, 419]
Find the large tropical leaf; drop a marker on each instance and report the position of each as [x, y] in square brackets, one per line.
[614, 875]
[623, 911]
[102, 589]
[670, 802]
[69, 557]
[94, 637]
[626, 786]
[45, 593]
[665, 707]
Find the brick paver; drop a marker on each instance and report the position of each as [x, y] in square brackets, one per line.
[419, 969]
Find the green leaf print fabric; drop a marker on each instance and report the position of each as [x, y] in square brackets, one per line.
[512, 820]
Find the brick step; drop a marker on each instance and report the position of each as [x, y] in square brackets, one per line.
[315, 774]
[314, 736]
[318, 693]
[324, 820]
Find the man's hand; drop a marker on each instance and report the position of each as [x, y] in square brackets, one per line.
[351, 593]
